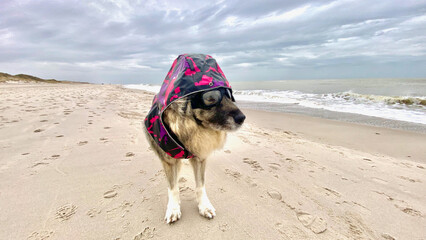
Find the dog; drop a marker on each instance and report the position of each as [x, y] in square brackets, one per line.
[199, 121]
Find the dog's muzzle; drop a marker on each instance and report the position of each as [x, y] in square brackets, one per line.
[239, 117]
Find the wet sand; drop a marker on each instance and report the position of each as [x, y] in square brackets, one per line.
[74, 164]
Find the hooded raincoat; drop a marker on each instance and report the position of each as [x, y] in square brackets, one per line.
[189, 74]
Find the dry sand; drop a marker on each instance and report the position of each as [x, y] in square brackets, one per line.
[74, 164]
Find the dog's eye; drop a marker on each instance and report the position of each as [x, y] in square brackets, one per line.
[211, 97]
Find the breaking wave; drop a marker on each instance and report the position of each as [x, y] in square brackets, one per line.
[403, 100]
[409, 109]
[402, 108]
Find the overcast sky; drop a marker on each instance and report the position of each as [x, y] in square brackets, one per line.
[119, 41]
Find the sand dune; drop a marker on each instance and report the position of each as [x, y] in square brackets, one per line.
[74, 164]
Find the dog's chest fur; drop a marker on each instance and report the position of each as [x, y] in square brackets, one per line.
[199, 140]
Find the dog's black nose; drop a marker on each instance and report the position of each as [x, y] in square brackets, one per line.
[239, 118]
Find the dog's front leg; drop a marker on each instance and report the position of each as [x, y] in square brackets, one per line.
[205, 207]
[173, 207]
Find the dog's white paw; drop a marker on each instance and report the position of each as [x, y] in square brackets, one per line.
[207, 210]
[172, 214]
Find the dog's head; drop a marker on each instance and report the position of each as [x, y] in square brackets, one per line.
[213, 109]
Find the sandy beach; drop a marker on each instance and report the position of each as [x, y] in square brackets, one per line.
[74, 164]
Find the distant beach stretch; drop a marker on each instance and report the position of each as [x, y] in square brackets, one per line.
[74, 164]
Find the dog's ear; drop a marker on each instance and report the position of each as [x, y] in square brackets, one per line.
[181, 107]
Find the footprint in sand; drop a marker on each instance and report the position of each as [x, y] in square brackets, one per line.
[387, 236]
[410, 179]
[43, 121]
[409, 211]
[287, 160]
[41, 235]
[59, 136]
[254, 164]
[187, 193]
[315, 224]
[39, 164]
[110, 194]
[250, 181]
[93, 212]
[233, 174]
[130, 154]
[25, 154]
[147, 233]
[56, 155]
[277, 153]
[275, 194]
[160, 173]
[224, 227]
[119, 211]
[107, 127]
[331, 191]
[406, 209]
[387, 196]
[245, 140]
[406, 164]
[274, 166]
[81, 143]
[38, 130]
[66, 211]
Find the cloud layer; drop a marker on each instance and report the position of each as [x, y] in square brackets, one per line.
[122, 41]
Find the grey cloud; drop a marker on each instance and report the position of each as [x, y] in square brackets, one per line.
[130, 41]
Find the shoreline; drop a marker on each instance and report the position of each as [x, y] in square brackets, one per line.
[397, 143]
[334, 115]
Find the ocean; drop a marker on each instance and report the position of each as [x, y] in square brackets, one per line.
[393, 103]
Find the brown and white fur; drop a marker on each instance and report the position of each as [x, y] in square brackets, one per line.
[201, 131]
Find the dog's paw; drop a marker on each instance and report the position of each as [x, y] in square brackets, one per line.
[172, 214]
[207, 210]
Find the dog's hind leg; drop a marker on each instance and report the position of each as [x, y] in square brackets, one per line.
[173, 207]
[205, 207]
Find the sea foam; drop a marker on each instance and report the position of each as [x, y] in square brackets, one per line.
[402, 108]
